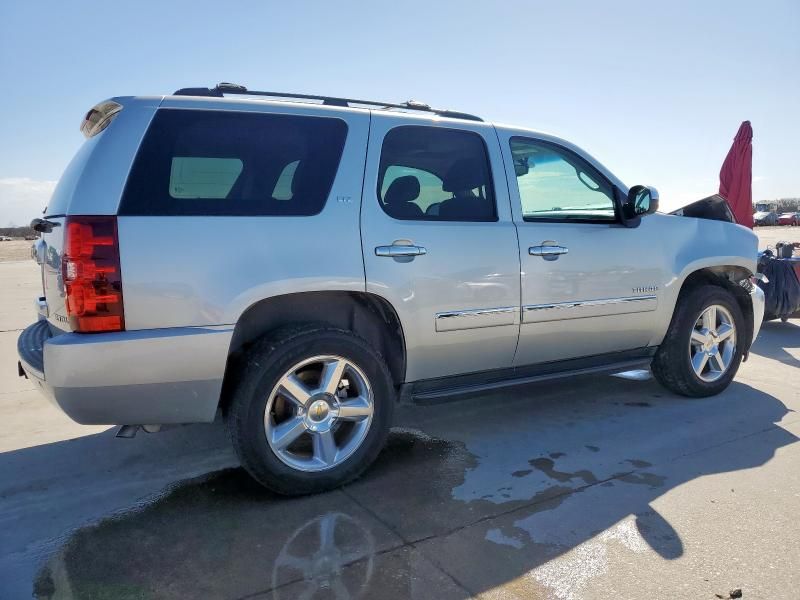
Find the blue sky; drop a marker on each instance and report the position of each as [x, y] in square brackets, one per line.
[656, 91]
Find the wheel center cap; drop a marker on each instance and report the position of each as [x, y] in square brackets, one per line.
[711, 341]
[321, 413]
[318, 411]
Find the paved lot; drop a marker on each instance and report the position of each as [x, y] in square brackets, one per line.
[594, 488]
[769, 236]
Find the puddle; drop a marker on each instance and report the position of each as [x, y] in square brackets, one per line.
[649, 479]
[547, 466]
[223, 535]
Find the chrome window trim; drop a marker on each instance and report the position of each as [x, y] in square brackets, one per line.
[476, 318]
[561, 310]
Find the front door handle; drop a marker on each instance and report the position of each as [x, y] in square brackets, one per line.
[548, 251]
[397, 251]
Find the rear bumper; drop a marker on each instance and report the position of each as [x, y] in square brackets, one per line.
[129, 378]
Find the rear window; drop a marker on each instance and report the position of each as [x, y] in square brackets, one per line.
[196, 162]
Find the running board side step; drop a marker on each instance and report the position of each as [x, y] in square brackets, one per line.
[445, 393]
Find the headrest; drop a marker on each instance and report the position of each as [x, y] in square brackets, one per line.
[300, 175]
[464, 174]
[403, 189]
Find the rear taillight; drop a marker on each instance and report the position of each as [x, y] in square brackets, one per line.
[92, 281]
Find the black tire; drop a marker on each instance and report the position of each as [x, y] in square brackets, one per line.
[263, 366]
[672, 365]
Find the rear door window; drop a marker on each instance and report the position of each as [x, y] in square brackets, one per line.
[435, 174]
[431, 194]
[198, 162]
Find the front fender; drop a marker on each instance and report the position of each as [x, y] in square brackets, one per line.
[689, 245]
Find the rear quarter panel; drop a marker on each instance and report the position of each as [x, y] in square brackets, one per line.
[91, 184]
[207, 270]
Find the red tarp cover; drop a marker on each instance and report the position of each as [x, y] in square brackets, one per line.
[736, 176]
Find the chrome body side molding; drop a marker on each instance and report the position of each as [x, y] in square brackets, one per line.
[538, 313]
[474, 319]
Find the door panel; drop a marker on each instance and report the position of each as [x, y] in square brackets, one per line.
[587, 287]
[586, 302]
[454, 284]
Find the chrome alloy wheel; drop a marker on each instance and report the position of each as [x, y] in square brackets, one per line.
[319, 413]
[712, 345]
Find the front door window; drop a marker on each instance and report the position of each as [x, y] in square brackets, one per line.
[554, 184]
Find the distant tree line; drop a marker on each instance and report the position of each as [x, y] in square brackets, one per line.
[19, 232]
[784, 204]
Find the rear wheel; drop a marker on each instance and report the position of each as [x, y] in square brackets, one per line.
[703, 348]
[312, 409]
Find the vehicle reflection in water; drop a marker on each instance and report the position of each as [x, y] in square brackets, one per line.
[319, 551]
[220, 537]
[223, 536]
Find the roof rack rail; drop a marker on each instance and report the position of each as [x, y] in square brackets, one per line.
[221, 89]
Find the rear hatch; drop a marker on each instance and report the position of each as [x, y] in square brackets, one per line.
[92, 185]
[48, 253]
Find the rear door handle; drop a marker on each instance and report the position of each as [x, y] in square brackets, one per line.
[400, 251]
[548, 251]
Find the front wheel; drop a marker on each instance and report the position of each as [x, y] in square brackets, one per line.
[703, 348]
[311, 410]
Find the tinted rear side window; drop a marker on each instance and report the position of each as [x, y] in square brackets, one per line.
[435, 174]
[196, 162]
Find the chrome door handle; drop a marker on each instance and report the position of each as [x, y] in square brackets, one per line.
[548, 252]
[400, 251]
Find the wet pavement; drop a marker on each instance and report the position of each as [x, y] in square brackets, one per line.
[593, 488]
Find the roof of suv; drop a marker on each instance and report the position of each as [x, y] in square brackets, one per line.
[231, 95]
[221, 89]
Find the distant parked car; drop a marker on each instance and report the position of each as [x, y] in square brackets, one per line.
[765, 218]
[789, 218]
[4, 238]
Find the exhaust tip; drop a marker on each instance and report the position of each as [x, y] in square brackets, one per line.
[127, 431]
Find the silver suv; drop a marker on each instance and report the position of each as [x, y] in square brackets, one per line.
[303, 263]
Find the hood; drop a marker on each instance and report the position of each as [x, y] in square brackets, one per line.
[714, 208]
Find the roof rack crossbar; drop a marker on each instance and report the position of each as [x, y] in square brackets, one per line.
[221, 89]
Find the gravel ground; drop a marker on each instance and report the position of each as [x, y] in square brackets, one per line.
[15, 250]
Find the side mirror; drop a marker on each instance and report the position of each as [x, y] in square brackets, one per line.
[642, 200]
